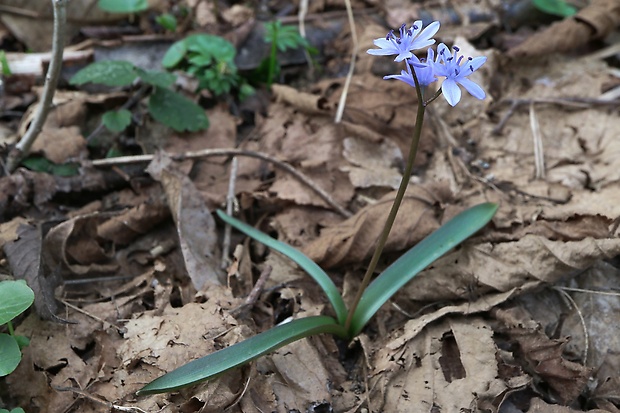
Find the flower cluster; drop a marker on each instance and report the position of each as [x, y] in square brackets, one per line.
[446, 64]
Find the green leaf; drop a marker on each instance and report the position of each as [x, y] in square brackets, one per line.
[555, 7]
[15, 298]
[22, 341]
[117, 120]
[123, 6]
[213, 46]
[156, 78]
[241, 353]
[417, 258]
[175, 54]
[6, 70]
[297, 256]
[9, 354]
[167, 21]
[176, 111]
[109, 73]
[41, 164]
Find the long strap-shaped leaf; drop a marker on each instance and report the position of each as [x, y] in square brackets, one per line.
[416, 259]
[238, 354]
[302, 260]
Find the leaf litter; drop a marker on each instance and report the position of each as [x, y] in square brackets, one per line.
[134, 269]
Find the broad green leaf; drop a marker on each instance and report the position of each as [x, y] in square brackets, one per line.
[15, 298]
[297, 256]
[109, 73]
[213, 46]
[41, 164]
[123, 6]
[448, 236]
[555, 7]
[156, 77]
[175, 54]
[241, 353]
[176, 111]
[15, 410]
[9, 354]
[117, 120]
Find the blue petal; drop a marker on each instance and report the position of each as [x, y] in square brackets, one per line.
[473, 89]
[403, 77]
[451, 91]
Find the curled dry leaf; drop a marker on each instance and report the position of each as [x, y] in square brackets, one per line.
[451, 366]
[195, 225]
[544, 355]
[353, 240]
[595, 21]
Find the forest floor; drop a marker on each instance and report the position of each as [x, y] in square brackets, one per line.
[134, 275]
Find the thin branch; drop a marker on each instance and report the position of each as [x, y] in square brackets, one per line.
[51, 79]
[230, 200]
[347, 83]
[206, 153]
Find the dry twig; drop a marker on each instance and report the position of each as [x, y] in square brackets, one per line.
[205, 153]
[51, 79]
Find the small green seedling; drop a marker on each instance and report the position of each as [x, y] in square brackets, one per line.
[15, 298]
[165, 105]
[211, 60]
[281, 38]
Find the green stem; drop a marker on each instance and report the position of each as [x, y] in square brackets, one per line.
[272, 58]
[413, 150]
[9, 324]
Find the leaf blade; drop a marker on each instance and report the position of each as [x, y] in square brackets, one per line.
[417, 258]
[312, 268]
[241, 353]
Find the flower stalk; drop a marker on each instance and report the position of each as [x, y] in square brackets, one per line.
[400, 194]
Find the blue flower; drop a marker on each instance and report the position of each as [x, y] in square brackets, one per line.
[456, 71]
[424, 70]
[410, 39]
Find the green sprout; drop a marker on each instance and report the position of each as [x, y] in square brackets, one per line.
[211, 59]
[281, 38]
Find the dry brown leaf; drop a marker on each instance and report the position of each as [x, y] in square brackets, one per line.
[195, 225]
[52, 356]
[538, 405]
[504, 266]
[595, 21]
[353, 240]
[123, 228]
[544, 355]
[27, 262]
[60, 145]
[301, 376]
[159, 344]
[74, 246]
[374, 164]
[451, 366]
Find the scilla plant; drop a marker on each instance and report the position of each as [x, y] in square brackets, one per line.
[349, 322]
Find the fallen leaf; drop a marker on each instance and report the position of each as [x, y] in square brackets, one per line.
[195, 225]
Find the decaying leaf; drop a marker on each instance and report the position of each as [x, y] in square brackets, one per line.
[451, 366]
[544, 355]
[195, 225]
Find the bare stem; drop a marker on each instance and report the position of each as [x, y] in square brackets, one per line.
[417, 132]
[51, 79]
